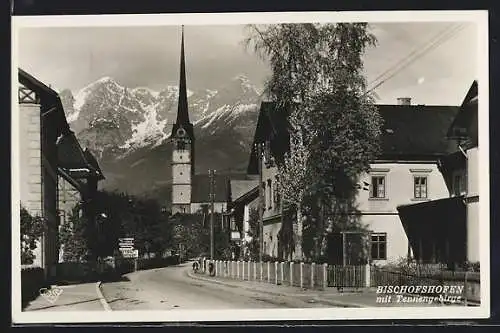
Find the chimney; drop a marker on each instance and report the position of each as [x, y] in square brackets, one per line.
[404, 101]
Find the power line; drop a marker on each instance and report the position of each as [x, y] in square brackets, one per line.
[426, 50]
[411, 54]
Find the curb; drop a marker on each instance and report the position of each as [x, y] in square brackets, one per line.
[334, 303]
[104, 304]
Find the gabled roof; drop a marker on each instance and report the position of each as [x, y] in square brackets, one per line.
[69, 153]
[34, 84]
[246, 197]
[201, 187]
[71, 159]
[273, 126]
[93, 163]
[240, 187]
[465, 124]
[50, 103]
[409, 132]
[416, 131]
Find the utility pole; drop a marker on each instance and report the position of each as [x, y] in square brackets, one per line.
[212, 199]
[261, 203]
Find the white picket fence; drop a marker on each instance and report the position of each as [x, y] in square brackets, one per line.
[303, 275]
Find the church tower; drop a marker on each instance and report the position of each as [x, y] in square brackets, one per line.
[182, 148]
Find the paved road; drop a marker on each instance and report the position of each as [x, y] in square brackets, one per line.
[171, 288]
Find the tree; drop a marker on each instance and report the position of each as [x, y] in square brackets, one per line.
[31, 231]
[74, 237]
[317, 81]
[129, 216]
[254, 234]
[189, 232]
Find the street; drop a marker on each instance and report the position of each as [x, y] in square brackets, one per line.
[171, 288]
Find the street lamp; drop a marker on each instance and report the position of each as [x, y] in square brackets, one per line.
[100, 234]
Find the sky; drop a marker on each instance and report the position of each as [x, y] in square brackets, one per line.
[73, 57]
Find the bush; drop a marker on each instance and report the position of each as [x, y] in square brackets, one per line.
[74, 271]
[471, 266]
[267, 257]
[32, 280]
[157, 262]
[31, 231]
[407, 272]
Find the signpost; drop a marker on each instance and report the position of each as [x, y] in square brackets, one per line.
[130, 253]
[126, 246]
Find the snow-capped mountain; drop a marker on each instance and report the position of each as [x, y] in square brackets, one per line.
[128, 128]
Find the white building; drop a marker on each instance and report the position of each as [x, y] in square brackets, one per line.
[409, 171]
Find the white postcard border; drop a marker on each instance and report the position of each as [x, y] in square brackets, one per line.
[480, 17]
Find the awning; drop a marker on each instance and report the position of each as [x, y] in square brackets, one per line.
[436, 228]
[74, 160]
[70, 154]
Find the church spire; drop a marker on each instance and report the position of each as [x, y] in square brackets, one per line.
[182, 111]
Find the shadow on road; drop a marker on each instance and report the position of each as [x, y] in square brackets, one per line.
[114, 278]
[106, 277]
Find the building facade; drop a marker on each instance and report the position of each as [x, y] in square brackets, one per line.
[48, 152]
[465, 131]
[414, 141]
[455, 219]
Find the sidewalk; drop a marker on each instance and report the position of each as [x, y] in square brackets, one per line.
[359, 299]
[78, 297]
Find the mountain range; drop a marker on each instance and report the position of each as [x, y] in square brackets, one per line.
[128, 129]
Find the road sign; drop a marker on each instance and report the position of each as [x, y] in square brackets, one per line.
[125, 240]
[126, 243]
[130, 253]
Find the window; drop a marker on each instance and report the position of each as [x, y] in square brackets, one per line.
[379, 246]
[268, 159]
[378, 187]
[420, 187]
[181, 145]
[263, 189]
[456, 185]
[276, 195]
[459, 185]
[270, 193]
[225, 222]
[233, 223]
